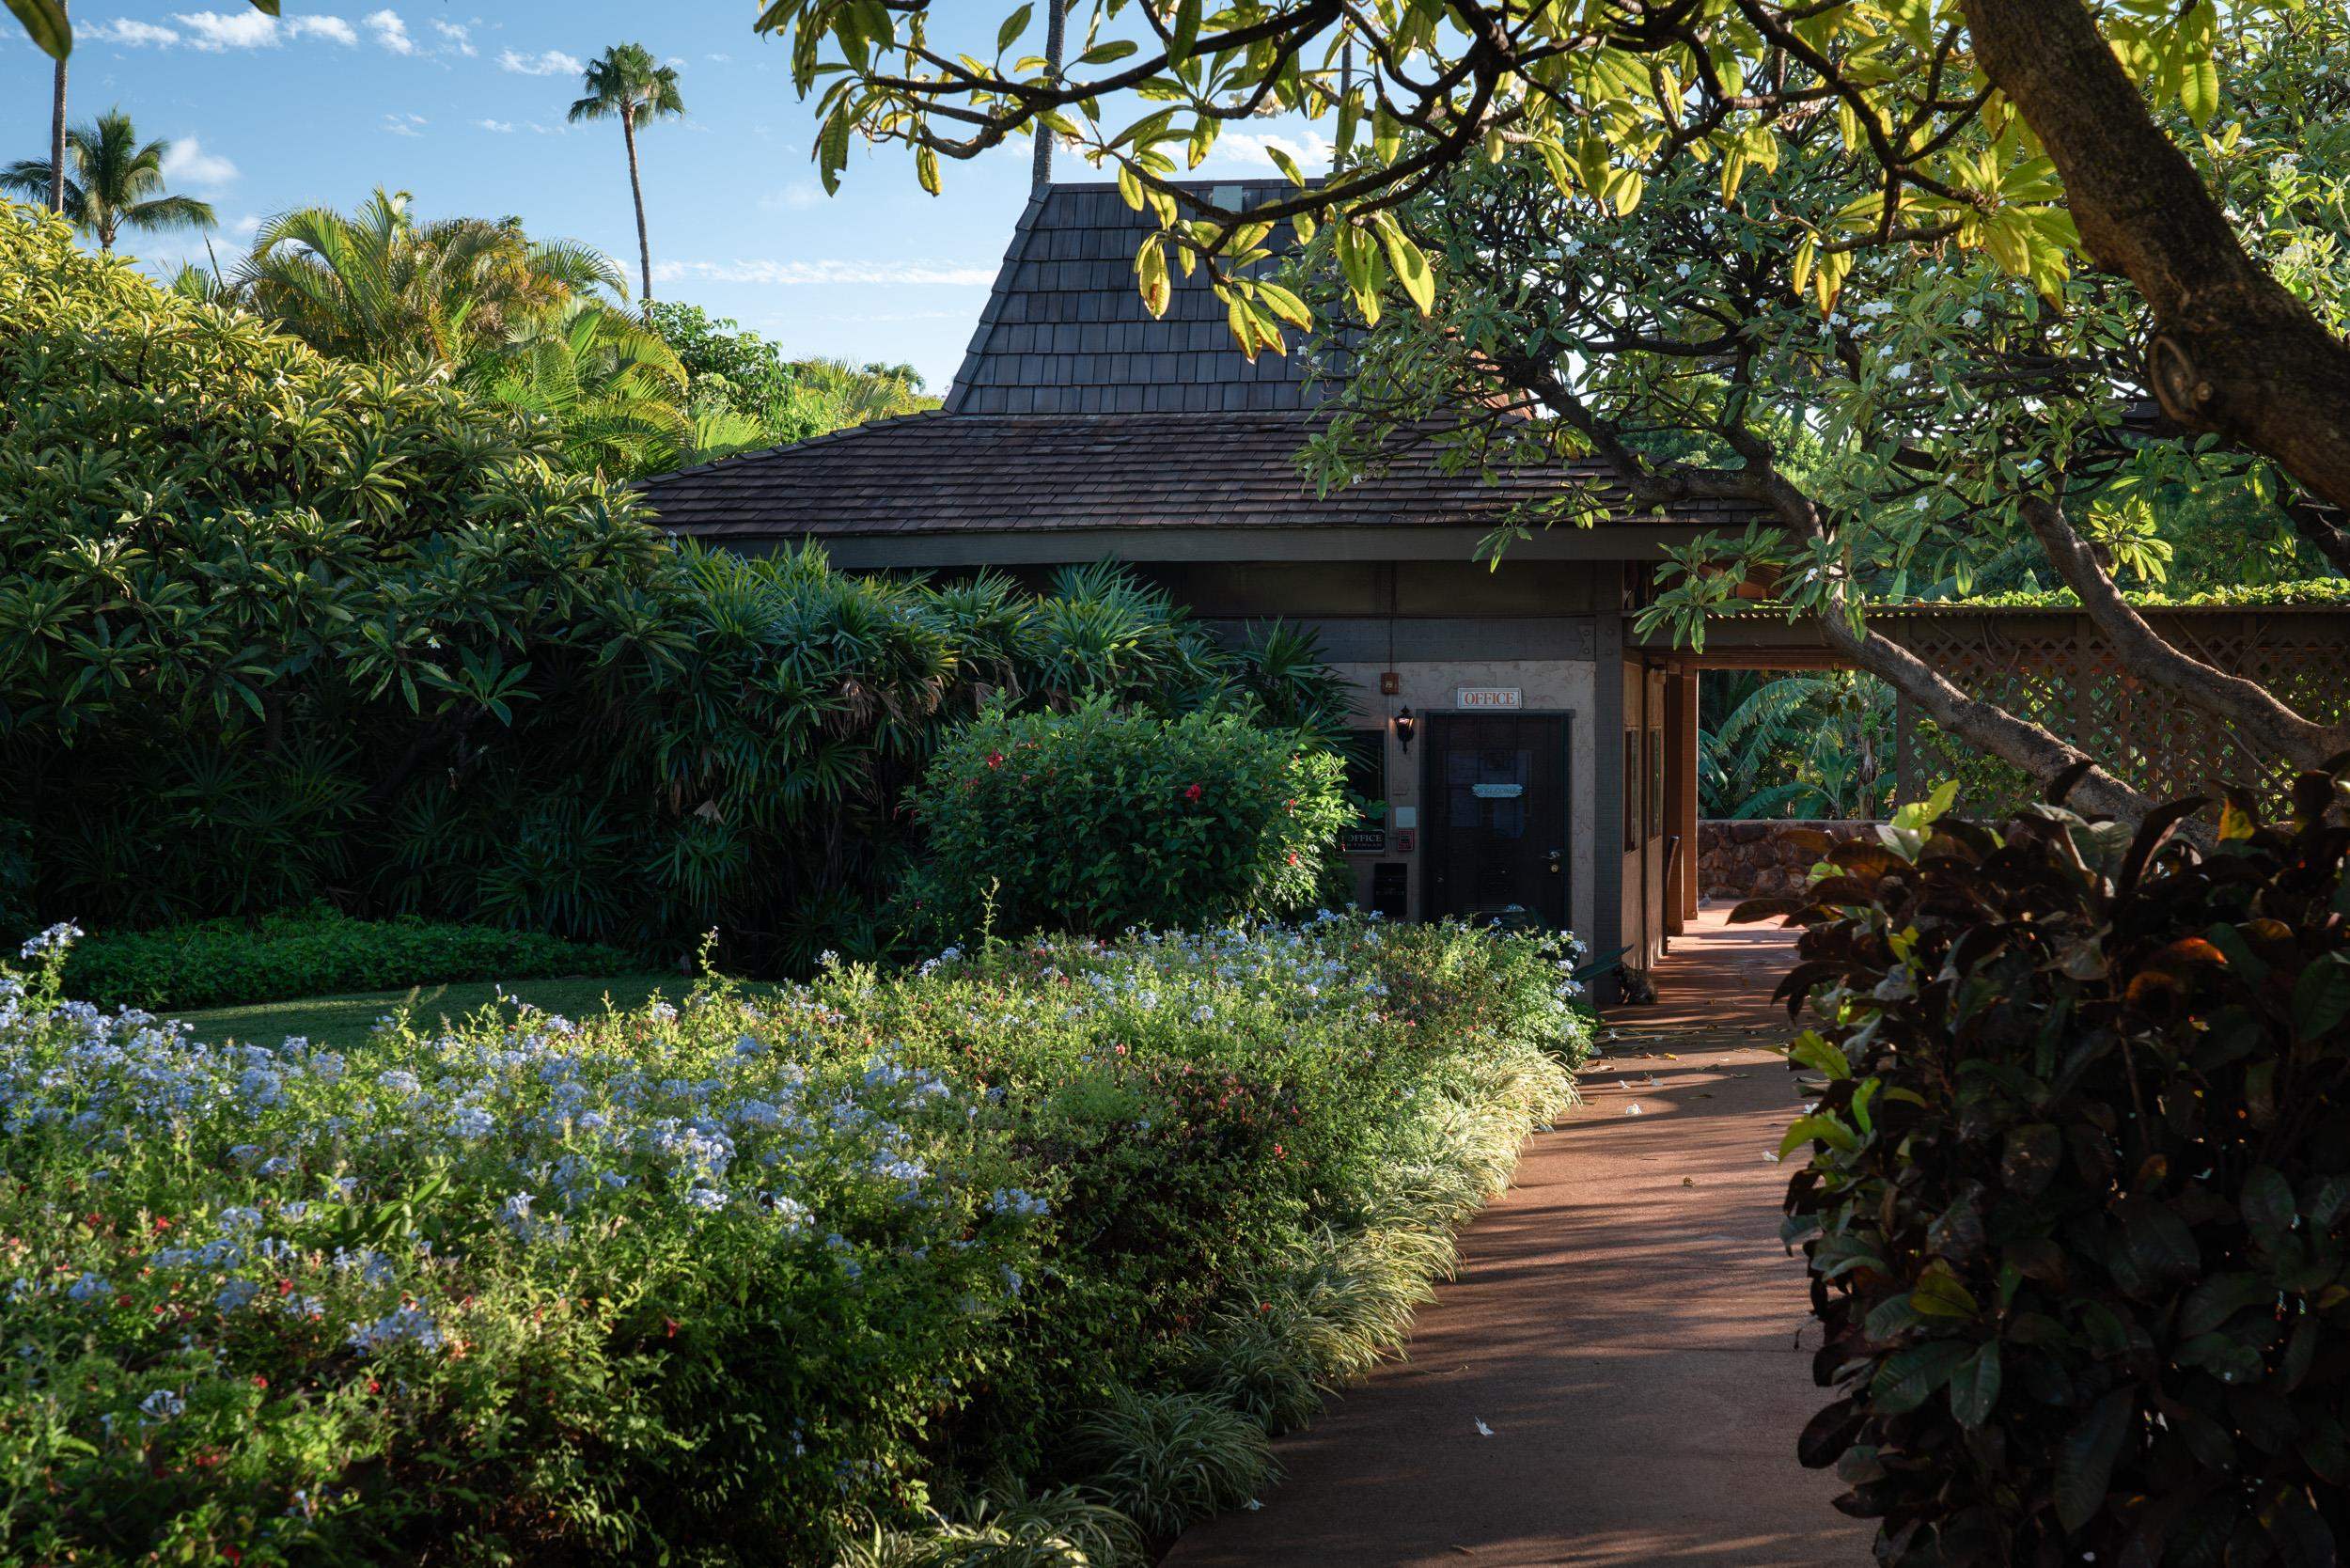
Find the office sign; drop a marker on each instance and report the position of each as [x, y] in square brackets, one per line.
[1486, 699]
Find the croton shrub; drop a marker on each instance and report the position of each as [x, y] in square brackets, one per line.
[2078, 1180]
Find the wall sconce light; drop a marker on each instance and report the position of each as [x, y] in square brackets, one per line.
[1405, 727]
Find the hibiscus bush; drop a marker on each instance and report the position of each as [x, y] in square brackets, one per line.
[1102, 819]
[2077, 1194]
[1025, 1252]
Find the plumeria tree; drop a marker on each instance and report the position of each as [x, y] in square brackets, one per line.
[1939, 414]
[2046, 135]
[2097, 246]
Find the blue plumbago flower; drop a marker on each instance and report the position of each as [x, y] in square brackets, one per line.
[1013, 1201]
[409, 1324]
[236, 1295]
[90, 1288]
[163, 1404]
[54, 940]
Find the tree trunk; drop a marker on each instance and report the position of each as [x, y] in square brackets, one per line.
[2251, 707]
[2015, 740]
[2233, 351]
[57, 138]
[636, 189]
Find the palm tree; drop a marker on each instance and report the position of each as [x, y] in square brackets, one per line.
[56, 133]
[376, 284]
[111, 182]
[615, 390]
[625, 83]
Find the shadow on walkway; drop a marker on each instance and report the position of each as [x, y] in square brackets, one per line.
[1625, 1324]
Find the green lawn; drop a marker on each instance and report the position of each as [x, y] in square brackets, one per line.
[344, 1021]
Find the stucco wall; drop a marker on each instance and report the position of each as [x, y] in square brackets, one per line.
[1550, 686]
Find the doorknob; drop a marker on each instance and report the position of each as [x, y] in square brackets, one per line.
[1554, 866]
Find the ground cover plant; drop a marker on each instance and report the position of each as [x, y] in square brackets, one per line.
[2077, 1194]
[213, 963]
[1020, 1255]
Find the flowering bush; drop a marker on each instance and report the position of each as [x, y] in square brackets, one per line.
[1099, 820]
[740, 1279]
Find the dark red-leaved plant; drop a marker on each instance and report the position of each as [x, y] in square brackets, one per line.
[2077, 1183]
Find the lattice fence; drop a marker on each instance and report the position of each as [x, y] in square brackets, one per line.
[2052, 667]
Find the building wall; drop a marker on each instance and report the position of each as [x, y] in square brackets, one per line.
[1648, 832]
[1565, 686]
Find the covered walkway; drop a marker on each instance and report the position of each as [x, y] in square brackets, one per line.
[1619, 1373]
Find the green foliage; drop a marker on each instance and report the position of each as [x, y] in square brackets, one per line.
[2076, 1194]
[113, 181]
[379, 285]
[739, 375]
[1099, 820]
[1795, 746]
[728, 1282]
[276, 628]
[229, 963]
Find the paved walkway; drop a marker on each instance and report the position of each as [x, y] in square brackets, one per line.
[1625, 1324]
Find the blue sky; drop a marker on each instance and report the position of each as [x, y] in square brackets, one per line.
[465, 107]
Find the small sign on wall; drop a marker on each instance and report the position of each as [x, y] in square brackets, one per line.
[1488, 697]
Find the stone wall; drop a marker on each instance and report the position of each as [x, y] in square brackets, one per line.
[1757, 859]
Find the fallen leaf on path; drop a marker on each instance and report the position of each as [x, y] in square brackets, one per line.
[1633, 1109]
[1482, 1430]
[1688, 1181]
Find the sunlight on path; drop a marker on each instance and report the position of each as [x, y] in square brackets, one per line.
[1619, 1373]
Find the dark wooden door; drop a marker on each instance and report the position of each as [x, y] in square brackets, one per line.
[1496, 829]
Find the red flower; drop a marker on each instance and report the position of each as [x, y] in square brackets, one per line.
[1192, 792]
[994, 759]
[1293, 857]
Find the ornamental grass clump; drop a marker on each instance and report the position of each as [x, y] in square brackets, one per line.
[2076, 1194]
[917, 1266]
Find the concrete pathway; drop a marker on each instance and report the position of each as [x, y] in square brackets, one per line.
[1625, 1323]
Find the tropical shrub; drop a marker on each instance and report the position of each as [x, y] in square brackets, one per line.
[739, 1281]
[311, 953]
[1100, 820]
[2077, 1195]
[276, 628]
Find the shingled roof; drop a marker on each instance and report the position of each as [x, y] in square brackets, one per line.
[1076, 409]
[938, 472]
[1065, 331]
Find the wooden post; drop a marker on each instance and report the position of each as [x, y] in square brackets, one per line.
[1680, 794]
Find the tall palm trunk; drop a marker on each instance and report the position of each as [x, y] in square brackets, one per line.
[57, 138]
[636, 189]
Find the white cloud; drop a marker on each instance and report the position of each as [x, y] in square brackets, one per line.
[122, 29]
[213, 31]
[389, 31]
[404, 124]
[717, 59]
[503, 127]
[458, 35]
[790, 274]
[186, 163]
[1311, 151]
[792, 197]
[547, 62]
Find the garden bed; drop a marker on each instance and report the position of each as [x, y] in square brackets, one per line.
[1036, 1245]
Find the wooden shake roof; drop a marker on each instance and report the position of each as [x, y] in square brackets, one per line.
[1075, 409]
